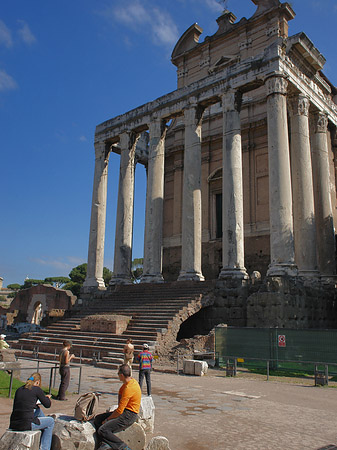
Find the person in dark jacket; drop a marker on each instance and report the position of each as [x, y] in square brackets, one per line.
[27, 415]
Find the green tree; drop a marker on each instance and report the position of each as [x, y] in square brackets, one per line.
[14, 286]
[107, 275]
[29, 282]
[137, 269]
[57, 282]
[77, 276]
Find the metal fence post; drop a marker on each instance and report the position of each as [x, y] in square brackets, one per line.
[268, 370]
[10, 385]
[79, 380]
[178, 363]
[50, 380]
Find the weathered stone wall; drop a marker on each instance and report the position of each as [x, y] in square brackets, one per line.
[111, 323]
[293, 303]
[277, 302]
[54, 302]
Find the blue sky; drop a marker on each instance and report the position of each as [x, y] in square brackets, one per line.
[67, 66]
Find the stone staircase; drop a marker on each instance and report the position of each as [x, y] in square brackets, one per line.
[157, 311]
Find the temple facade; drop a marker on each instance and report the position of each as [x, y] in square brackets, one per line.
[240, 161]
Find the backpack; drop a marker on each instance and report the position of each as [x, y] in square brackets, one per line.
[86, 406]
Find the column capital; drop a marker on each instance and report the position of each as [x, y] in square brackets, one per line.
[101, 150]
[299, 105]
[319, 121]
[193, 114]
[231, 100]
[276, 85]
[157, 126]
[128, 139]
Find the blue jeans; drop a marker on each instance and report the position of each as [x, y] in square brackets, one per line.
[46, 426]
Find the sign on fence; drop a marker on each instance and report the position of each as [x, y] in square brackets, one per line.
[281, 340]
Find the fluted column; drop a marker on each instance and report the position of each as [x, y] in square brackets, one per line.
[232, 189]
[94, 278]
[152, 267]
[302, 187]
[124, 218]
[280, 196]
[191, 208]
[323, 205]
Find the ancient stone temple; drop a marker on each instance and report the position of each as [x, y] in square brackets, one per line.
[239, 158]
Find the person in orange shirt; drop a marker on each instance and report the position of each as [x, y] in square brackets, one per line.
[123, 416]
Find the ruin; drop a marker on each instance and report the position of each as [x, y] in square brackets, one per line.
[241, 179]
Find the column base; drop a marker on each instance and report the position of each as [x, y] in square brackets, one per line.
[281, 270]
[152, 278]
[120, 279]
[232, 272]
[92, 284]
[190, 276]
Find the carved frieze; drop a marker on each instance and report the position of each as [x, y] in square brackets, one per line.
[182, 73]
[245, 44]
[276, 85]
[205, 62]
[273, 31]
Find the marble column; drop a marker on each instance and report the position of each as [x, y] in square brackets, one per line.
[152, 267]
[124, 218]
[232, 190]
[191, 207]
[94, 278]
[323, 204]
[282, 251]
[302, 187]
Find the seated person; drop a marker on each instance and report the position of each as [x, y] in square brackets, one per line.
[3, 343]
[121, 418]
[27, 415]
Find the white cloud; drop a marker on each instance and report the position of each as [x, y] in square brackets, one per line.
[75, 260]
[83, 138]
[61, 265]
[216, 6]
[7, 83]
[25, 33]
[5, 35]
[163, 28]
[148, 19]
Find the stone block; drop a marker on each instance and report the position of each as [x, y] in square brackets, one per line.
[20, 440]
[70, 434]
[188, 367]
[158, 443]
[200, 368]
[133, 436]
[146, 414]
[111, 323]
[193, 367]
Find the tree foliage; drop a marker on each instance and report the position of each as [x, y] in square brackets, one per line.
[57, 282]
[29, 282]
[14, 286]
[137, 269]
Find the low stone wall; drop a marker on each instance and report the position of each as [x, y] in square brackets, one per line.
[111, 323]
